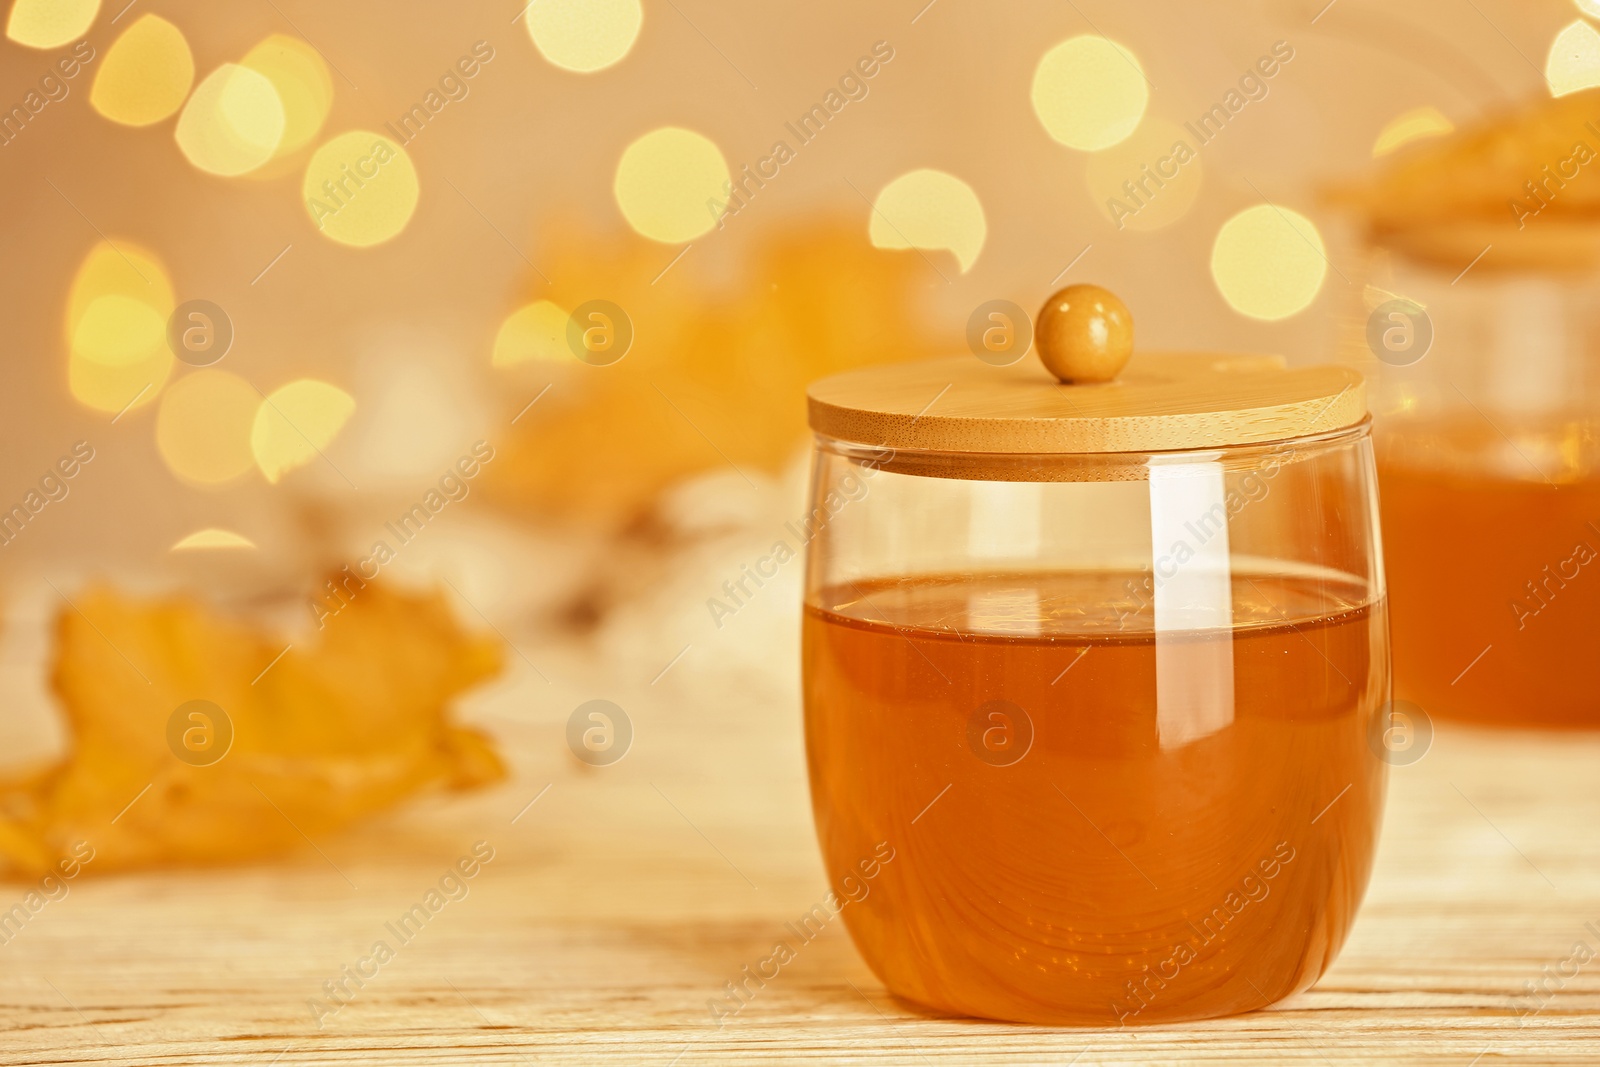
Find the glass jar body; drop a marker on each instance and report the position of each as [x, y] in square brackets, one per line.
[1488, 450]
[1097, 740]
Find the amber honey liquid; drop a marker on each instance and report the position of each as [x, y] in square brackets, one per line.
[1125, 869]
[1494, 572]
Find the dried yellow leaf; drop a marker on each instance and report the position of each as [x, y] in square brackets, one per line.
[276, 750]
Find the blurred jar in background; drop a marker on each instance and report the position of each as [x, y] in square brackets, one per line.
[1478, 336]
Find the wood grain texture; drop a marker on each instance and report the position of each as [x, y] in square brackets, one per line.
[620, 903]
[1161, 402]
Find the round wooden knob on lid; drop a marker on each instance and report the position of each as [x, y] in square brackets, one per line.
[1160, 402]
[1084, 334]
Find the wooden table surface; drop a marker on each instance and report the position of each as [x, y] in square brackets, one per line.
[620, 903]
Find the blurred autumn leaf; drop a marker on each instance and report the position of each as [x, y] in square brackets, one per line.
[346, 726]
[711, 378]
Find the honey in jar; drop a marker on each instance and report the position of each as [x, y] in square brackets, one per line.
[1490, 571]
[1106, 666]
[1184, 860]
[1478, 335]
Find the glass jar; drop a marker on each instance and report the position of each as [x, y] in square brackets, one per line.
[1095, 681]
[1486, 403]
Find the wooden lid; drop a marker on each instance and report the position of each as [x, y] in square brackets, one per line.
[1162, 402]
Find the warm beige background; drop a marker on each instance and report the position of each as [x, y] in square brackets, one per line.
[532, 144]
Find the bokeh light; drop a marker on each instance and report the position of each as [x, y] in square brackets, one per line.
[212, 537]
[115, 327]
[296, 423]
[118, 267]
[117, 330]
[233, 123]
[1268, 262]
[1573, 63]
[300, 75]
[670, 183]
[536, 331]
[145, 75]
[360, 188]
[1589, 7]
[1163, 170]
[584, 35]
[1408, 126]
[203, 427]
[1090, 92]
[50, 23]
[929, 209]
